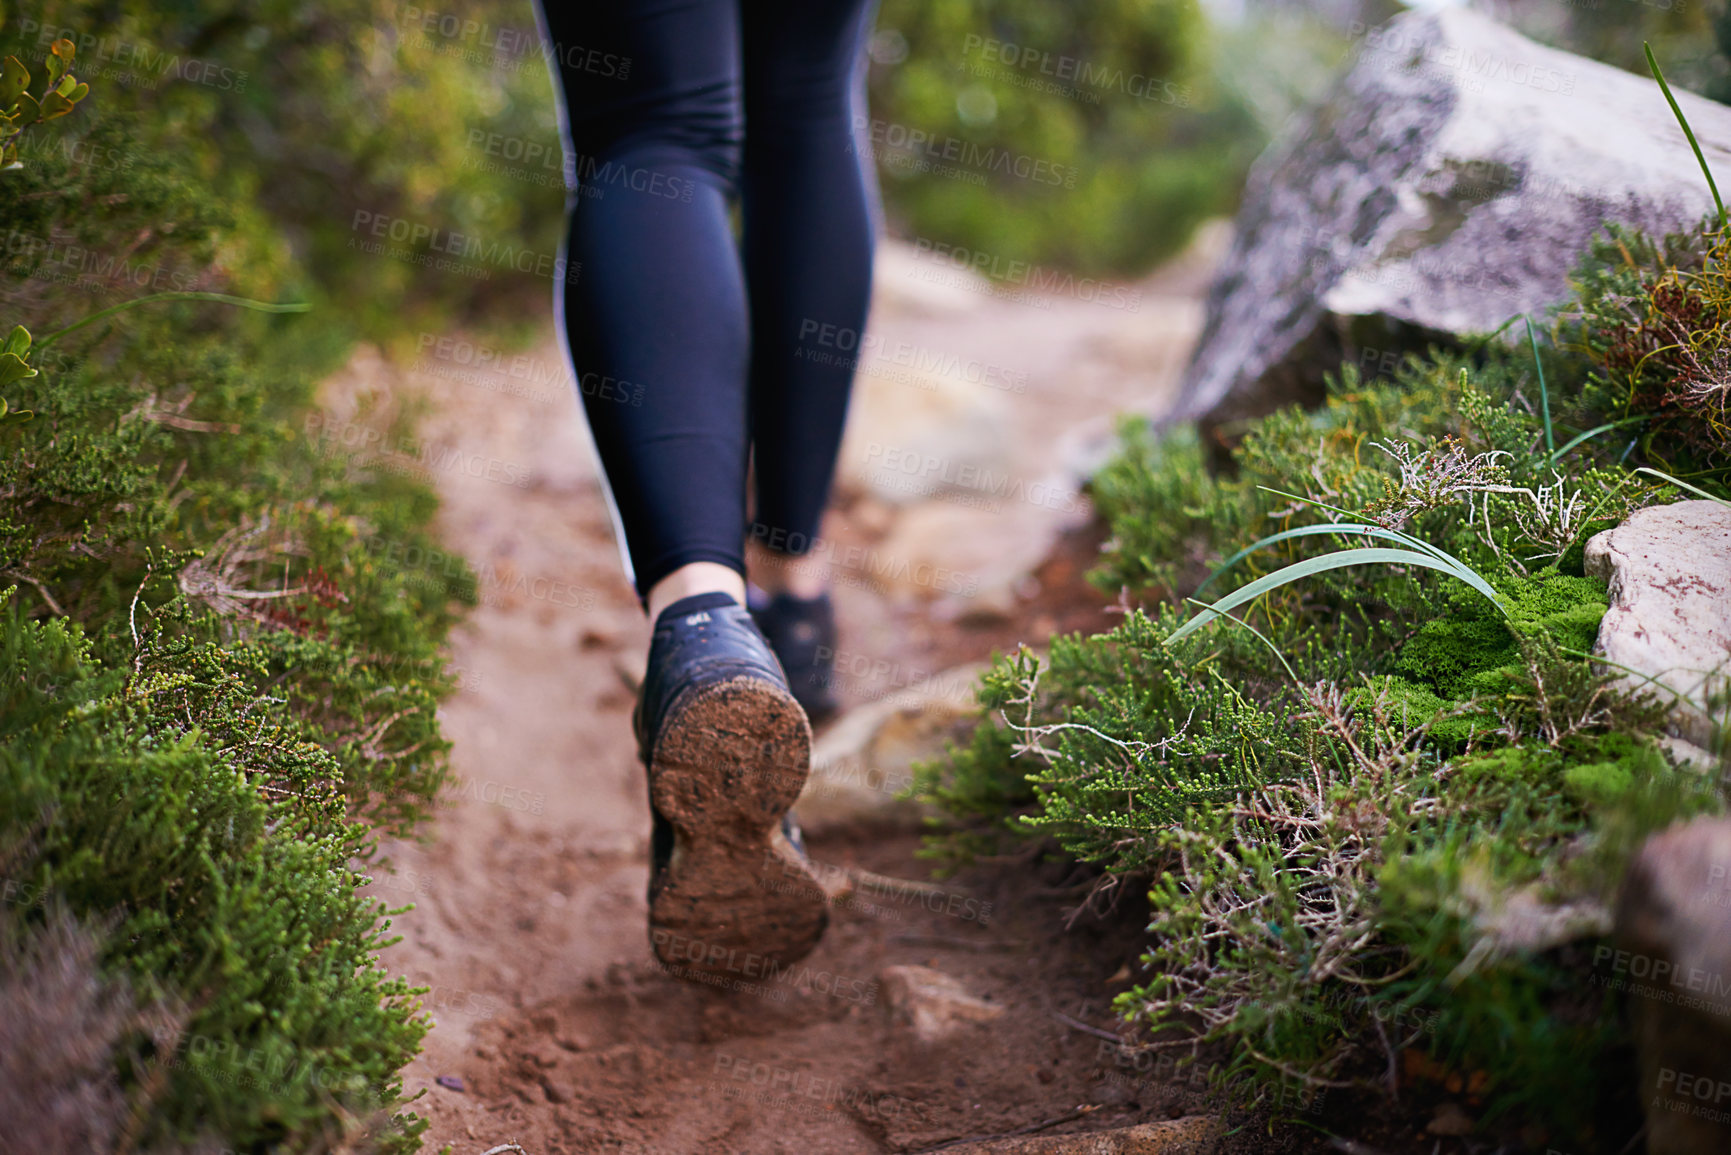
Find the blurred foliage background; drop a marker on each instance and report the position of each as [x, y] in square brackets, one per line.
[297, 117]
[1122, 97]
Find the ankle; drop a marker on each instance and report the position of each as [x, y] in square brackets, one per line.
[795, 575]
[699, 577]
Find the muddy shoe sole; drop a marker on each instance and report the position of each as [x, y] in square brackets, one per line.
[735, 896]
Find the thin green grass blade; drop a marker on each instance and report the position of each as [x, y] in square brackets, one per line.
[1544, 391]
[1653, 64]
[1406, 538]
[1316, 565]
[1343, 529]
[1481, 342]
[1278, 656]
[1680, 484]
[176, 295]
[1591, 433]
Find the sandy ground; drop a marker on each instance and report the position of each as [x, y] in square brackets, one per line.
[555, 1029]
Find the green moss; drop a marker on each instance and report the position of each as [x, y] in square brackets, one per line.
[1474, 648]
[1598, 783]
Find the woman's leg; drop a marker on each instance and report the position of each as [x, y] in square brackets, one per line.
[808, 204]
[655, 310]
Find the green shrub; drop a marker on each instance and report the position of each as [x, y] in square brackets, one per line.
[177, 802]
[1377, 796]
[222, 655]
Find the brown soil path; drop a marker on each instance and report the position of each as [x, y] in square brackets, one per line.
[554, 1027]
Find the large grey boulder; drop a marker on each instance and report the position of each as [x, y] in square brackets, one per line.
[1452, 179]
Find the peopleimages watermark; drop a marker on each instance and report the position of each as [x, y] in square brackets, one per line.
[445, 250]
[16, 893]
[522, 367]
[1139, 1069]
[1411, 274]
[1036, 280]
[1660, 979]
[865, 561]
[485, 790]
[825, 344]
[62, 263]
[227, 1061]
[132, 63]
[1402, 50]
[750, 973]
[407, 455]
[856, 670]
[926, 474]
[1702, 1096]
[460, 1001]
[509, 46]
[790, 1089]
[544, 162]
[441, 572]
[33, 145]
[464, 29]
[945, 155]
[859, 889]
[1085, 74]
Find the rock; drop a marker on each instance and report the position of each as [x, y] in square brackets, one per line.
[1450, 1120]
[907, 279]
[1449, 181]
[1673, 960]
[630, 667]
[1688, 755]
[975, 561]
[1192, 1135]
[931, 1003]
[1086, 447]
[865, 758]
[915, 433]
[1669, 572]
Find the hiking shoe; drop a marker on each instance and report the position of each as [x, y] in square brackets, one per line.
[728, 750]
[801, 631]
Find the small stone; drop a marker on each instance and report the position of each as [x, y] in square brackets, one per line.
[593, 638]
[451, 1083]
[931, 1003]
[1450, 1120]
[864, 758]
[871, 515]
[630, 667]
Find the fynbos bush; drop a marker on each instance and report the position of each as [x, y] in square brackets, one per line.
[219, 683]
[1378, 787]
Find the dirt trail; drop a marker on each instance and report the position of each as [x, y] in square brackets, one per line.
[555, 1028]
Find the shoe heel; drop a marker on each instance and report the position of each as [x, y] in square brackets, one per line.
[727, 765]
[732, 759]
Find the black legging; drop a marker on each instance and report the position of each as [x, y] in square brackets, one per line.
[689, 349]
